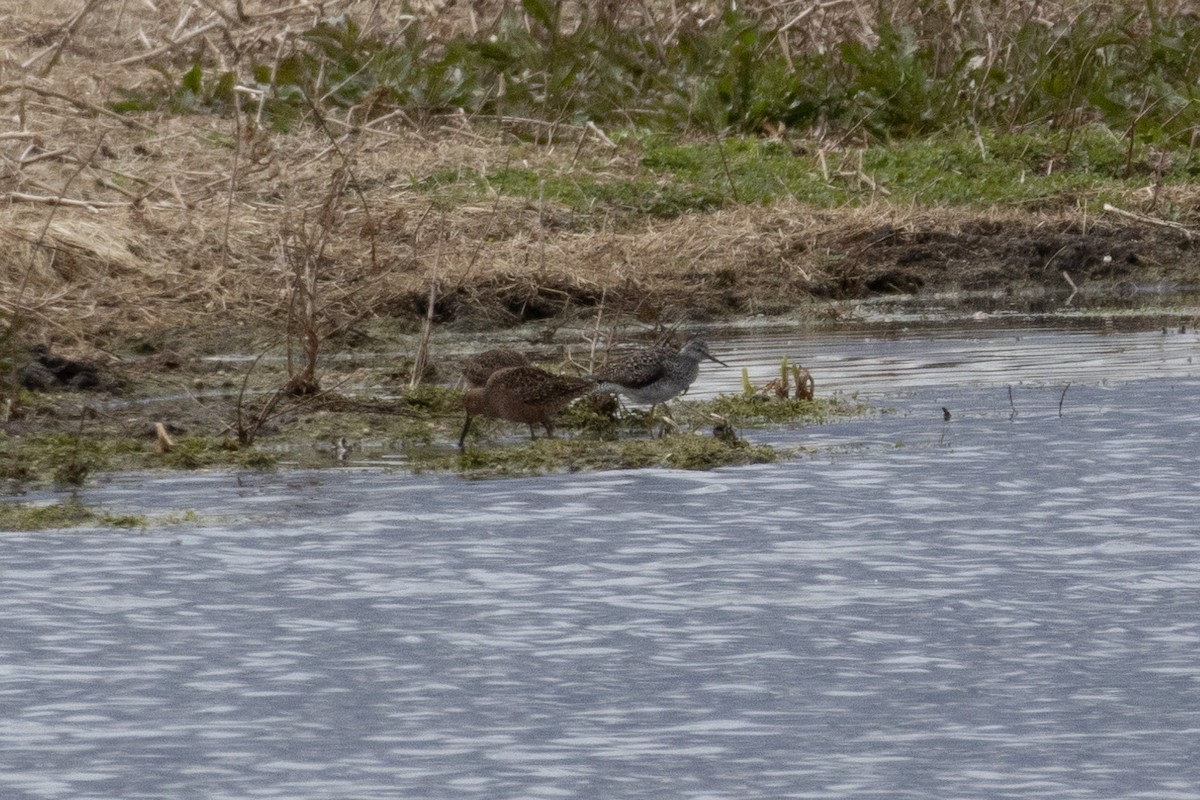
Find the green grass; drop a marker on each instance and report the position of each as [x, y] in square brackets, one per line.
[957, 169]
[964, 169]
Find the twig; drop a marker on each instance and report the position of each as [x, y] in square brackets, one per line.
[306, 5]
[541, 227]
[233, 176]
[262, 96]
[245, 435]
[91, 205]
[801, 16]
[867, 179]
[596, 330]
[44, 156]
[728, 174]
[1144, 218]
[422, 358]
[347, 175]
[1011, 404]
[1062, 397]
[158, 51]
[594, 128]
[80, 104]
[540, 123]
[220, 12]
[1071, 283]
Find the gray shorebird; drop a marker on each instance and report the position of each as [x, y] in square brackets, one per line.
[522, 394]
[477, 369]
[653, 375]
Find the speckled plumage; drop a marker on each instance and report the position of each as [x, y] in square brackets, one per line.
[523, 394]
[477, 369]
[652, 375]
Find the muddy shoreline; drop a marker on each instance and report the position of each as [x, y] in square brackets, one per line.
[202, 383]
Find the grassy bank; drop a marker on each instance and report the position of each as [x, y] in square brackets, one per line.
[518, 160]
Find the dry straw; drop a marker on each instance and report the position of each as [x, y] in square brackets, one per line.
[175, 218]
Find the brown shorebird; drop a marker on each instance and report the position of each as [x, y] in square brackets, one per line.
[655, 374]
[522, 394]
[477, 369]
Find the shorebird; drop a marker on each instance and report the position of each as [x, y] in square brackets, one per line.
[655, 374]
[477, 369]
[522, 394]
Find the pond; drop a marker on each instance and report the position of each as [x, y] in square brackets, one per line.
[1002, 604]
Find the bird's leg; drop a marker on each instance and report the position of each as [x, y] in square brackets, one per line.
[668, 422]
[463, 438]
[532, 435]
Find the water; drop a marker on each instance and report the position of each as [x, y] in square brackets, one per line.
[1003, 605]
[878, 359]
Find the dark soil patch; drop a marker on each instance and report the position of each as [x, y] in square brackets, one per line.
[987, 255]
[976, 255]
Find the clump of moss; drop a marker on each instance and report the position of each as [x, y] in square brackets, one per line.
[433, 400]
[597, 415]
[67, 514]
[196, 452]
[257, 460]
[710, 452]
[682, 451]
[591, 416]
[762, 409]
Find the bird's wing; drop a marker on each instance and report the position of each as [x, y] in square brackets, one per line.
[543, 387]
[633, 371]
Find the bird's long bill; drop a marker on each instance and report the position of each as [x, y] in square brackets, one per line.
[714, 358]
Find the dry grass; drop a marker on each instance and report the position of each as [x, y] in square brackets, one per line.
[115, 225]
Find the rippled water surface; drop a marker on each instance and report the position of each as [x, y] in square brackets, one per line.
[1003, 605]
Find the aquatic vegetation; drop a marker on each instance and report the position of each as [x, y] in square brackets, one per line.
[65, 459]
[16, 516]
[420, 424]
[625, 441]
[762, 409]
[684, 451]
[196, 452]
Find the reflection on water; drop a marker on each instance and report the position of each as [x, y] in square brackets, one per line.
[997, 606]
[881, 359]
